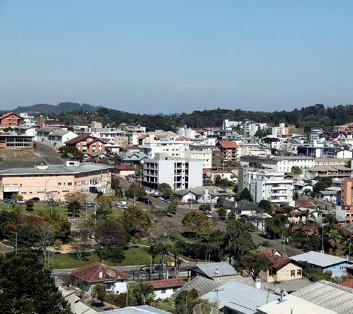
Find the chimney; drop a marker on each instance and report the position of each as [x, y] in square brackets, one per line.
[283, 293]
[258, 283]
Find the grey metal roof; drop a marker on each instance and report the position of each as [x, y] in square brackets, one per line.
[218, 269]
[59, 132]
[328, 295]
[240, 297]
[55, 169]
[47, 129]
[246, 205]
[287, 285]
[319, 259]
[201, 284]
[142, 309]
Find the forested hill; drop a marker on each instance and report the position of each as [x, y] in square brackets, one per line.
[316, 116]
[61, 107]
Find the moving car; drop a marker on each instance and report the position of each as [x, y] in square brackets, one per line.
[35, 199]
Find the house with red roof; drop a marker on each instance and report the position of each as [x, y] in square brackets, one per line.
[87, 144]
[229, 150]
[114, 280]
[122, 170]
[166, 287]
[10, 119]
[304, 203]
[283, 268]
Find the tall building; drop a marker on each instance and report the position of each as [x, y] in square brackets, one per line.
[179, 173]
[347, 199]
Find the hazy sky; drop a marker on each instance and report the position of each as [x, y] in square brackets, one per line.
[168, 56]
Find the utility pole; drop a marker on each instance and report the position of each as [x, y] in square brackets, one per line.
[16, 243]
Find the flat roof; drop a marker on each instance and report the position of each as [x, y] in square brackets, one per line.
[319, 259]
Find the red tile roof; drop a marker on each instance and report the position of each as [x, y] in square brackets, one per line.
[131, 148]
[77, 139]
[167, 283]
[278, 261]
[348, 283]
[182, 138]
[141, 137]
[304, 203]
[90, 273]
[309, 230]
[228, 144]
[6, 114]
[123, 167]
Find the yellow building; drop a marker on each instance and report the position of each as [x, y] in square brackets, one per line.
[54, 181]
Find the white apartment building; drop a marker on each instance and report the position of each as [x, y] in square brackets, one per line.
[28, 120]
[179, 173]
[200, 152]
[172, 148]
[278, 131]
[253, 149]
[228, 125]
[280, 163]
[187, 132]
[271, 186]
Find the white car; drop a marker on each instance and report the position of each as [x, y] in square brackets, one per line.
[20, 202]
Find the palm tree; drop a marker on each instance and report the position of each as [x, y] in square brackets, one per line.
[152, 251]
[144, 293]
[162, 248]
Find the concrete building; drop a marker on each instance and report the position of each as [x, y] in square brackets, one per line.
[200, 152]
[164, 288]
[168, 146]
[87, 144]
[229, 151]
[347, 199]
[55, 181]
[179, 173]
[280, 163]
[278, 131]
[28, 120]
[271, 186]
[15, 141]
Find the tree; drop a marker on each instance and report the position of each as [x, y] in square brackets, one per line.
[115, 184]
[75, 197]
[71, 152]
[46, 233]
[29, 205]
[165, 190]
[205, 208]
[135, 220]
[168, 224]
[296, 170]
[222, 213]
[171, 209]
[74, 207]
[27, 287]
[99, 291]
[246, 195]
[187, 300]
[274, 226]
[27, 237]
[255, 263]
[334, 238]
[231, 215]
[163, 249]
[193, 221]
[265, 206]
[111, 239]
[144, 293]
[238, 239]
[319, 186]
[152, 251]
[135, 191]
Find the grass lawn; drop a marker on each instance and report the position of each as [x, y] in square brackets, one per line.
[45, 209]
[133, 256]
[165, 305]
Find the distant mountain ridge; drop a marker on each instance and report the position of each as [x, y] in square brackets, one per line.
[56, 109]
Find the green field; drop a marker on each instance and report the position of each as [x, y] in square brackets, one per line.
[133, 256]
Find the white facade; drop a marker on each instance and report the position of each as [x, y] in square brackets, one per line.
[171, 148]
[164, 293]
[228, 125]
[280, 130]
[28, 120]
[186, 132]
[178, 173]
[271, 186]
[200, 153]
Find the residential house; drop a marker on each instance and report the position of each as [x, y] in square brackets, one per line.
[87, 144]
[202, 194]
[122, 170]
[202, 285]
[322, 262]
[245, 207]
[114, 280]
[164, 288]
[10, 119]
[237, 298]
[218, 271]
[283, 268]
[28, 120]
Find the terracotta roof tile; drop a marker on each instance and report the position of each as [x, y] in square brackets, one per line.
[90, 273]
[278, 261]
[348, 283]
[228, 144]
[167, 283]
[123, 167]
[304, 203]
[77, 139]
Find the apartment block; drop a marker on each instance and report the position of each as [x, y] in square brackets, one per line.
[179, 173]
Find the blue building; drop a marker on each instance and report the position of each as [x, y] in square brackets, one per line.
[323, 262]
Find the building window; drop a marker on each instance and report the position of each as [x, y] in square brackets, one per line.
[163, 290]
[292, 273]
[59, 183]
[69, 183]
[299, 272]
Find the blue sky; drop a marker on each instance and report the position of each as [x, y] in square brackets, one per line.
[153, 56]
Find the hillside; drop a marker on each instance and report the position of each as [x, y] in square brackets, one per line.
[56, 109]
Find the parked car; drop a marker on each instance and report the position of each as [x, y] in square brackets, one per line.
[20, 202]
[7, 201]
[144, 200]
[35, 199]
